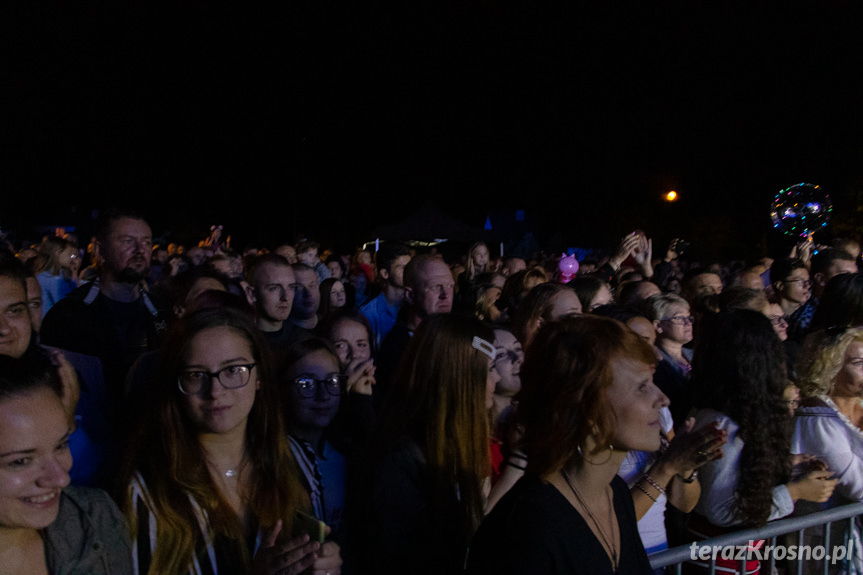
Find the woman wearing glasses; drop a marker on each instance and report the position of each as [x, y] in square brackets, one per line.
[673, 323]
[212, 485]
[312, 385]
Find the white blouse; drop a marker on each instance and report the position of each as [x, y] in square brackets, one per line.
[719, 478]
[826, 433]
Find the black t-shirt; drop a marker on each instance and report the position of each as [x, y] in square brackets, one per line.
[115, 332]
[280, 341]
[534, 530]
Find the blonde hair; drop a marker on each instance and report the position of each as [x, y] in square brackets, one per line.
[657, 306]
[821, 359]
[472, 270]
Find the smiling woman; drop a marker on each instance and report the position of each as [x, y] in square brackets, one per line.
[45, 525]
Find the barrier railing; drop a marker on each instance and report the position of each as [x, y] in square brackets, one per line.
[677, 556]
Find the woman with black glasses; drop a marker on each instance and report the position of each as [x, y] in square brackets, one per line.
[673, 322]
[312, 385]
[211, 485]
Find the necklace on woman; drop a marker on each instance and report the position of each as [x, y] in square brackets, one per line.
[231, 472]
[609, 543]
[845, 419]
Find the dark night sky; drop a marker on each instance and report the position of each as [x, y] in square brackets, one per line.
[330, 118]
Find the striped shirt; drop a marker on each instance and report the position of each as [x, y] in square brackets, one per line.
[214, 553]
[324, 479]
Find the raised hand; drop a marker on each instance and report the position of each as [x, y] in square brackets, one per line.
[626, 247]
[361, 376]
[643, 255]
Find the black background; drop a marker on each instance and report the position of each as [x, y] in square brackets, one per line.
[329, 118]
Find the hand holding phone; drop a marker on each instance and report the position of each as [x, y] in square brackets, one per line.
[305, 524]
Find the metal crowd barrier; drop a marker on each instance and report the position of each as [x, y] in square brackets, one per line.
[677, 556]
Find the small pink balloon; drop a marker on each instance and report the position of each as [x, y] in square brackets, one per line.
[568, 267]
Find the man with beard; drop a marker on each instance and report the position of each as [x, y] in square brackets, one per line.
[113, 318]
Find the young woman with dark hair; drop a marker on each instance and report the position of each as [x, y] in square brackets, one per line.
[545, 302]
[738, 377]
[211, 485]
[333, 297]
[592, 292]
[516, 288]
[351, 336]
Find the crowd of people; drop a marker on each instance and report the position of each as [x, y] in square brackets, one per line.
[171, 409]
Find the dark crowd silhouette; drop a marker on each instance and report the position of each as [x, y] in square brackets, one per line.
[291, 409]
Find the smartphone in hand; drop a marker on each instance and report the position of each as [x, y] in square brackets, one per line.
[305, 524]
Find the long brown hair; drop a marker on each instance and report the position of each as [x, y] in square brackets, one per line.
[50, 249]
[536, 305]
[439, 402]
[170, 459]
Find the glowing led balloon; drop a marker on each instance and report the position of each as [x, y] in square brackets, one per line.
[801, 210]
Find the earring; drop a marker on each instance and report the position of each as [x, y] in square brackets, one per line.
[610, 454]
